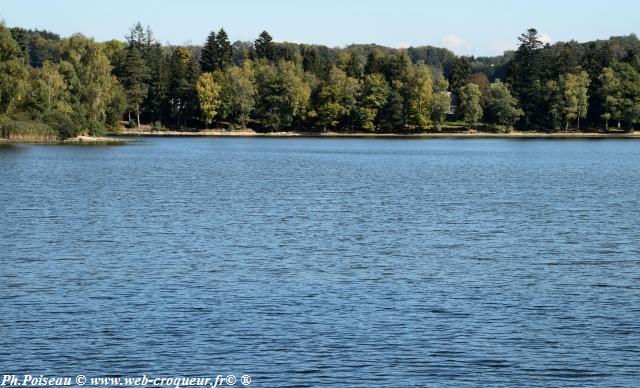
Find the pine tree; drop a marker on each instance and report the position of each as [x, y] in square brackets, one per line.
[184, 73]
[155, 103]
[134, 78]
[264, 46]
[210, 53]
[225, 51]
[460, 72]
[525, 76]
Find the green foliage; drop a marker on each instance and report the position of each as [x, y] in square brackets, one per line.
[574, 88]
[27, 131]
[420, 96]
[503, 107]
[441, 101]
[156, 104]
[611, 96]
[87, 73]
[13, 73]
[264, 47]
[460, 72]
[217, 52]
[209, 54]
[134, 76]
[283, 86]
[376, 62]
[484, 85]
[336, 99]
[629, 102]
[62, 124]
[525, 76]
[374, 95]
[554, 100]
[470, 108]
[48, 90]
[393, 116]
[283, 94]
[37, 46]
[238, 93]
[117, 106]
[225, 51]
[184, 72]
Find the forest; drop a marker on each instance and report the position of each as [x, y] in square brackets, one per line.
[55, 87]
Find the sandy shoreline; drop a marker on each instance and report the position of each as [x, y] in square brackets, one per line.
[466, 134]
[88, 140]
[94, 140]
[117, 138]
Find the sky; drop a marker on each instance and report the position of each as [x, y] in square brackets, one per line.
[463, 26]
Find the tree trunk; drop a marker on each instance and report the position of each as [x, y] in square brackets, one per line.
[566, 127]
[606, 125]
[138, 114]
[48, 99]
[129, 113]
[578, 125]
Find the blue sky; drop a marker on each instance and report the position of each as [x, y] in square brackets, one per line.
[466, 27]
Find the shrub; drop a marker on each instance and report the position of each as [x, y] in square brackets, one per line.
[157, 126]
[28, 131]
[62, 124]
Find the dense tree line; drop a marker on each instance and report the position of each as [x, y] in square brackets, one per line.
[77, 84]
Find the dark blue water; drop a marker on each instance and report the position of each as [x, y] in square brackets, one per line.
[324, 262]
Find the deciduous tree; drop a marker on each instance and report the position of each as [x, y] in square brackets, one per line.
[503, 107]
[239, 93]
[420, 96]
[470, 108]
[374, 94]
[337, 99]
[208, 88]
[13, 73]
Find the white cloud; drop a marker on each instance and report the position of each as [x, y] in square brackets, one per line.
[545, 38]
[403, 45]
[456, 44]
[453, 41]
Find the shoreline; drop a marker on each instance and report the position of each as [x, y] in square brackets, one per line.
[424, 135]
[119, 138]
[78, 140]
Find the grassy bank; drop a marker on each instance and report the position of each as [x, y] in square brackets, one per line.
[53, 129]
[28, 132]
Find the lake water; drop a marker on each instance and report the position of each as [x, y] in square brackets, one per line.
[324, 262]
